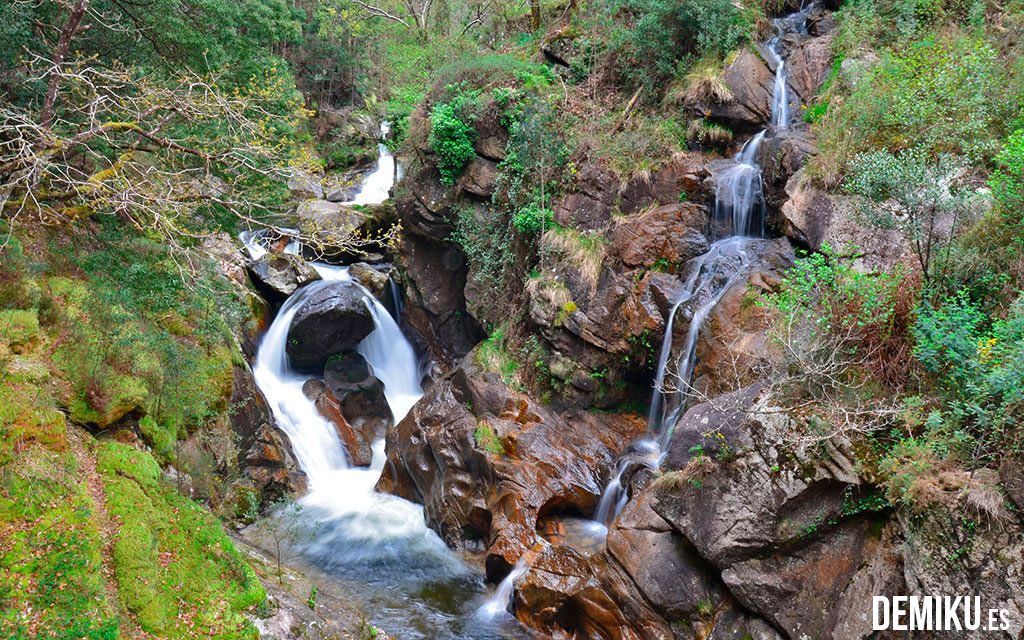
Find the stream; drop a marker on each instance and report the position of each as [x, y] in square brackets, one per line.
[740, 209]
[376, 546]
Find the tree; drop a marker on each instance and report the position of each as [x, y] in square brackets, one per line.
[285, 525]
[915, 195]
[412, 14]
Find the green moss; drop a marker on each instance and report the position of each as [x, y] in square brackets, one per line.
[19, 326]
[114, 396]
[487, 439]
[51, 585]
[176, 569]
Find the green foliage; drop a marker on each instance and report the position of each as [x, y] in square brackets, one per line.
[915, 195]
[939, 94]
[165, 541]
[1007, 183]
[669, 34]
[485, 237]
[451, 138]
[532, 219]
[977, 364]
[494, 355]
[487, 439]
[51, 580]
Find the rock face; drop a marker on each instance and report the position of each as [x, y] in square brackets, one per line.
[488, 463]
[265, 456]
[669, 235]
[813, 217]
[782, 154]
[333, 319]
[279, 275]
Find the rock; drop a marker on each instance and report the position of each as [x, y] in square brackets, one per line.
[820, 21]
[376, 280]
[670, 235]
[782, 154]
[265, 456]
[751, 84]
[680, 179]
[559, 51]
[590, 207]
[488, 463]
[491, 136]
[945, 552]
[332, 319]
[813, 217]
[479, 177]
[281, 274]
[360, 395]
[358, 447]
[1011, 474]
[743, 509]
[434, 274]
[327, 226]
[808, 64]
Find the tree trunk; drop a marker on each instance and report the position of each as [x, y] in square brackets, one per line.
[535, 14]
[71, 28]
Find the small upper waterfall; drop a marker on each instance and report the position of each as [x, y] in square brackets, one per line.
[376, 185]
[737, 217]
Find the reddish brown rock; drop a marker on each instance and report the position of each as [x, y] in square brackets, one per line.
[488, 463]
[670, 235]
[751, 85]
[479, 177]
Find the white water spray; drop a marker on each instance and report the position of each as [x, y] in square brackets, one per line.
[376, 186]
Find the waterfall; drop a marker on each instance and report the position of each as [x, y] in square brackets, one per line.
[376, 186]
[497, 605]
[354, 524]
[738, 216]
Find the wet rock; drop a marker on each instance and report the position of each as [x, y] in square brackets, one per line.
[333, 319]
[782, 154]
[265, 456]
[488, 463]
[376, 280]
[357, 446]
[360, 394]
[813, 217]
[661, 290]
[281, 274]
[479, 177]
[669, 235]
[751, 84]
[808, 64]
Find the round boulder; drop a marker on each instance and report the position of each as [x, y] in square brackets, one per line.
[281, 274]
[333, 319]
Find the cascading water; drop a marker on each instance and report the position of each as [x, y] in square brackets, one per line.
[377, 184]
[738, 216]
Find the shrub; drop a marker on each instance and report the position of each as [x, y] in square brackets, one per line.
[487, 439]
[451, 138]
[977, 365]
[915, 195]
[939, 94]
[532, 219]
[669, 31]
[841, 342]
[1007, 182]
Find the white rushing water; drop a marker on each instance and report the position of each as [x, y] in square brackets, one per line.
[740, 209]
[354, 522]
[376, 186]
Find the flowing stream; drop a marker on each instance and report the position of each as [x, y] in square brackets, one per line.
[376, 546]
[740, 209]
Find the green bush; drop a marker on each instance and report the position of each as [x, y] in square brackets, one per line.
[532, 219]
[977, 366]
[451, 138]
[1007, 182]
[669, 33]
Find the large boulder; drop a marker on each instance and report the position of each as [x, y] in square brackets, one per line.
[751, 84]
[669, 235]
[488, 463]
[783, 152]
[808, 62]
[813, 217]
[682, 178]
[279, 275]
[590, 206]
[333, 318]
